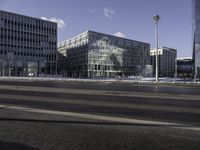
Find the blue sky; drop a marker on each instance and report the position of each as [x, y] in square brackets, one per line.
[129, 18]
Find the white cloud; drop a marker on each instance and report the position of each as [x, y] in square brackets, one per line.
[108, 12]
[120, 34]
[60, 22]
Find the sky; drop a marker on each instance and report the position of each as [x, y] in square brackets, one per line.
[126, 18]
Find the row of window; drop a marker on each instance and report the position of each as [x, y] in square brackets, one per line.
[21, 47]
[24, 33]
[28, 26]
[36, 47]
[101, 67]
[15, 38]
[27, 54]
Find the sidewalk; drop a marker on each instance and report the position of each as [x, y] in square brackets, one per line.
[169, 81]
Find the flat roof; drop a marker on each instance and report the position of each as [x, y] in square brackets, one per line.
[28, 16]
[103, 34]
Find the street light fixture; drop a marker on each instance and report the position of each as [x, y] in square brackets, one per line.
[156, 19]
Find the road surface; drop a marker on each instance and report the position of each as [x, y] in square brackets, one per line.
[81, 115]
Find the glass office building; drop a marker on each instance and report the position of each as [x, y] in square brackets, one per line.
[28, 45]
[92, 54]
[196, 36]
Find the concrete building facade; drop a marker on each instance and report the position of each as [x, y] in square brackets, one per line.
[28, 45]
[92, 54]
[166, 61]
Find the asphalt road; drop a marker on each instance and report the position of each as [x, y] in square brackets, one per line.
[80, 115]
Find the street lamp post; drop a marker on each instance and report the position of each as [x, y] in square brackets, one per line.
[175, 75]
[156, 19]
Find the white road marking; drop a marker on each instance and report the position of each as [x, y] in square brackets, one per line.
[99, 117]
[112, 104]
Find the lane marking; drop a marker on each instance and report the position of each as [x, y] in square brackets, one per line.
[100, 92]
[108, 103]
[99, 117]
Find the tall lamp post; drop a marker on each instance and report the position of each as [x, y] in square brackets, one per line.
[156, 19]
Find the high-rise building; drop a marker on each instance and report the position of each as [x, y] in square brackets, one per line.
[166, 61]
[196, 37]
[28, 45]
[92, 54]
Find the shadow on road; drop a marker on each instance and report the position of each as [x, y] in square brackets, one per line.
[15, 146]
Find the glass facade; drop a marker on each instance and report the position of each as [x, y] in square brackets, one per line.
[196, 33]
[93, 54]
[184, 67]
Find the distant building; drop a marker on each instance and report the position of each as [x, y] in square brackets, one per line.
[184, 67]
[167, 59]
[196, 37]
[92, 54]
[28, 45]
